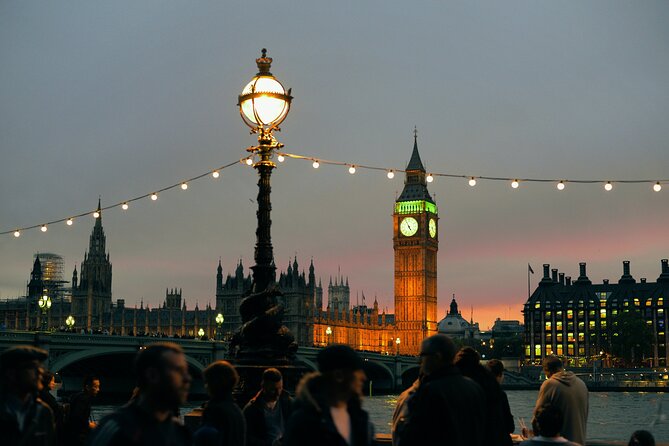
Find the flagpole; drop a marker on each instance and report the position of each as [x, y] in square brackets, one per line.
[528, 282]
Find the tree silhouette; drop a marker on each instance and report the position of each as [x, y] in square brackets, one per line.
[632, 337]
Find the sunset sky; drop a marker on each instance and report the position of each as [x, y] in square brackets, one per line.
[122, 98]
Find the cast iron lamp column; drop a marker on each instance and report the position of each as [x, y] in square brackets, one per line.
[263, 105]
[219, 323]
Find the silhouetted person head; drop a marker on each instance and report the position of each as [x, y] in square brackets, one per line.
[272, 384]
[436, 352]
[547, 421]
[552, 365]
[467, 357]
[496, 367]
[641, 438]
[91, 385]
[21, 370]
[48, 381]
[342, 367]
[162, 376]
[220, 378]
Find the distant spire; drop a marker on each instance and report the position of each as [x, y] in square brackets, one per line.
[99, 200]
[415, 162]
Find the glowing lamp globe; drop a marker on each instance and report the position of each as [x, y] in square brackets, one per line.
[264, 103]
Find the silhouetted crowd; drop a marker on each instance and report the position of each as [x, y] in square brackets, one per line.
[455, 401]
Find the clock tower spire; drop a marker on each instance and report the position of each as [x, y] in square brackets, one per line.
[415, 242]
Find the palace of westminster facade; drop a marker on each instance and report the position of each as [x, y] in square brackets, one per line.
[415, 243]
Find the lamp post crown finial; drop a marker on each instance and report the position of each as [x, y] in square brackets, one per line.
[264, 63]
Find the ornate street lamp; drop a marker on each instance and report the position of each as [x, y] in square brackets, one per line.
[219, 323]
[44, 304]
[69, 322]
[200, 333]
[397, 342]
[263, 105]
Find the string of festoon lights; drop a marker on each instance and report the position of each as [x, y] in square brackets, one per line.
[352, 169]
[125, 204]
[472, 179]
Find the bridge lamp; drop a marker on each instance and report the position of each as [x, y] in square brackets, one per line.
[44, 304]
[397, 342]
[328, 332]
[219, 323]
[200, 333]
[69, 322]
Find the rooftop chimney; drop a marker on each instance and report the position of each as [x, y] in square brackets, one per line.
[643, 280]
[568, 280]
[561, 279]
[583, 277]
[554, 276]
[664, 277]
[626, 277]
[606, 281]
[547, 275]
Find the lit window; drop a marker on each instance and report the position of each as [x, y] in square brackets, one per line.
[636, 301]
[602, 313]
[591, 313]
[560, 350]
[548, 314]
[570, 337]
[591, 325]
[559, 314]
[537, 350]
[603, 325]
[570, 314]
[537, 305]
[548, 326]
[581, 337]
[660, 310]
[581, 314]
[649, 302]
[614, 312]
[558, 325]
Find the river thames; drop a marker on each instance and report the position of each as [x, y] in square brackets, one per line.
[613, 415]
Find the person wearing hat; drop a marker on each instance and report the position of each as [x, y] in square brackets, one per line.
[24, 418]
[328, 403]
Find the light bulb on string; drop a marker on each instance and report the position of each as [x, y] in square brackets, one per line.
[316, 164]
[351, 169]
[69, 222]
[17, 233]
[608, 186]
[281, 158]
[249, 161]
[560, 185]
[184, 186]
[429, 178]
[43, 228]
[472, 181]
[391, 174]
[124, 206]
[96, 214]
[215, 174]
[657, 187]
[515, 184]
[154, 196]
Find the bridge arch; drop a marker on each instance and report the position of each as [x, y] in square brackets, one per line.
[308, 362]
[379, 375]
[61, 362]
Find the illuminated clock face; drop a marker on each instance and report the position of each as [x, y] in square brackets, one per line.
[409, 226]
[433, 228]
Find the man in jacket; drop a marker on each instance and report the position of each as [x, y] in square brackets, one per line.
[267, 413]
[447, 408]
[79, 423]
[327, 410]
[569, 395]
[24, 418]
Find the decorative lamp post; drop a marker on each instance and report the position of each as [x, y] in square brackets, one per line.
[69, 322]
[200, 333]
[219, 324]
[397, 342]
[328, 332]
[263, 105]
[44, 304]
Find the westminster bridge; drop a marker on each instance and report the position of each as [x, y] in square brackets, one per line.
[74, 355]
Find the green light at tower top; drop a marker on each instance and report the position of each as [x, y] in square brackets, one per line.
[415, 206]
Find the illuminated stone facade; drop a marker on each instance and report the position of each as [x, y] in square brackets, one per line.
[577, 320]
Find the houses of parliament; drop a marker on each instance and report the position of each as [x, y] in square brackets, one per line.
[312, 320]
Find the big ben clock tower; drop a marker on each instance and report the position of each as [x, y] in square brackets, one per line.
[415, 242]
